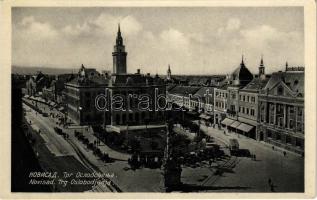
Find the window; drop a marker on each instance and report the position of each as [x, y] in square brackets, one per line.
[280, 121]
[232, 108]
[137, 117]
[243, 98]
[240, 97]
[278, 136]
[288, 139]
[280, 90]
[291, 124]
[253, 99]
[130, 117]
[298, 142]
[248, 98]
[124, 118]
[252, 111]
[291, 110]
[247, 111]
[242, 109]
[269, 134]
[117, 119]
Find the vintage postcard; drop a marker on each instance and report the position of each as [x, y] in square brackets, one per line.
[162, 99]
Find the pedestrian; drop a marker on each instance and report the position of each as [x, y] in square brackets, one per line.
[224, 132]
[273, 148]
[254, 156]
[272, 188]
[284, 153]
[270, 181]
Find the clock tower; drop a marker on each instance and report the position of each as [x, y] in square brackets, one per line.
[119, 55]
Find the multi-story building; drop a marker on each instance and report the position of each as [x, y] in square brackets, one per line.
[281, 110]
[227, 97]
[80, 94]
[220, 104]
[205, 94]
[36, 83]
[184, 96]
[248, 104]
[122, 94]
[134, 88]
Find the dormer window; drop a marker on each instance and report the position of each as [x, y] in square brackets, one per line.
[280, 90]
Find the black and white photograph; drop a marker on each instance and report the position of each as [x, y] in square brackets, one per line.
[159, 99]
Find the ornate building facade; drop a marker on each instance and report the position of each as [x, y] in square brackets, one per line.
[80, 94]
[281, 115]
[133, 99]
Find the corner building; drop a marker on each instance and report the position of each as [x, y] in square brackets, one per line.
[281, 104]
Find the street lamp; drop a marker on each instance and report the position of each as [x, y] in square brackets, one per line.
[80, 109]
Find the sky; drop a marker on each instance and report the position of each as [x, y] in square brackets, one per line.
[194, 40]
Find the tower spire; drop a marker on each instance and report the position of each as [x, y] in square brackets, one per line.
[242, 62]
[119, 40]
[262, 69]
[119, 55]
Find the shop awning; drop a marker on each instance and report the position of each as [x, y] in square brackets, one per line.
[111, 128]
[235, 124]
[227, 121]
[244, 127]
[204, 116]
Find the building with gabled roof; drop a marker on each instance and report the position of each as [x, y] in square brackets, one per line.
[281, 110]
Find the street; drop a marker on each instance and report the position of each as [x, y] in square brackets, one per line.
[242, 173]
[286, 172]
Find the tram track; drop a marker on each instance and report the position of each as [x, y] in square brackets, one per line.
[112, 186]
[229, 164]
